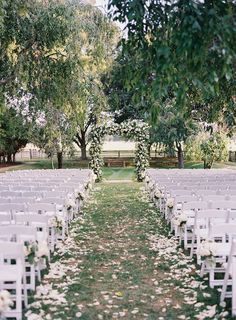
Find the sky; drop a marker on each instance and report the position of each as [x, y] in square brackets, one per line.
[102, 3]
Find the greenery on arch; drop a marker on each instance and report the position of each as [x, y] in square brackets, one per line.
[135, 130]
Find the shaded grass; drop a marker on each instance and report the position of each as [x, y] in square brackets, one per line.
[118, 173]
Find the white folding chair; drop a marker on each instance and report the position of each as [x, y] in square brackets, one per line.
[222, 234]
[189, 209]
[22, 234]
[202, 221]
[5, 218]
[12, 275]
[230, 271]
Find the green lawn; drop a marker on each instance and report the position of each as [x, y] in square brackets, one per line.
[118, 173]
[108, 173]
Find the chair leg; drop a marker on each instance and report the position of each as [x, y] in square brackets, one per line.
[19, 295]
[224, 288]
[211, 278]
[25, 291]
[202, 268]
[32, 277]
[192, 245]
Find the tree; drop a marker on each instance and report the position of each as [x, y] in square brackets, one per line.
[56, 51]
[172, 129]
[95, 41]
[34, 54]
[186, 48]
[13, 134]
[214, 148]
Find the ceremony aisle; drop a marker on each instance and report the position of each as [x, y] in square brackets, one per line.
[120, 262]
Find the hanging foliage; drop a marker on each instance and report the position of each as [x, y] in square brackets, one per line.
[135, 130]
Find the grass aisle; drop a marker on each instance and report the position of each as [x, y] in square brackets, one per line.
[119, 262]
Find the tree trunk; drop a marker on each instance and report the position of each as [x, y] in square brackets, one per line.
[9, 158]
[180, 157]
[149, 149]
[207, 165]
[83, 146]
[14, 157]
[59, 160]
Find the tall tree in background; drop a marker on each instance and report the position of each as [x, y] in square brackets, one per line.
[96, 42]
[56, 51]
[14, 134]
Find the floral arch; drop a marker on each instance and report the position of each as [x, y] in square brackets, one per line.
[135, 130]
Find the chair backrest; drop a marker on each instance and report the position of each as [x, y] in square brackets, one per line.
[195, 205]
[42, 208]
[11, 251]
[57, 201]
[39, 221]
[10, 194]
[30, 218]
[180, 193]
[44, 189]
[12, 207]
[5, 218]
[214, 198]
[222, 230]
[23, 200]
[20, 188]
[56, 194]
[185, 199]
[222, 205]
[32, 194]
[203, 218]
[18, 233]
[5, 200]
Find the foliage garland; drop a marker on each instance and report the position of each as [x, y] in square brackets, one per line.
[136, 130]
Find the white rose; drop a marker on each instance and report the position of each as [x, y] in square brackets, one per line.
[157, 194]
[170, 202]
[42, 249]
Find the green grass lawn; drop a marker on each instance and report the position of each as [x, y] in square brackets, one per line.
[111, 173]
[118, 173]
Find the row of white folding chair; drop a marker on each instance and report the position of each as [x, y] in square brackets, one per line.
[36, 207]
[12, 276]
[11, 194]
[42, 224]
[190, 209]
[52, 172]
[23, 199]
[40, 221]
[214, 201]
[24, 234]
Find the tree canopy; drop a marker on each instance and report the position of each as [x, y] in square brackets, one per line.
[55, 52]
[186, 48]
